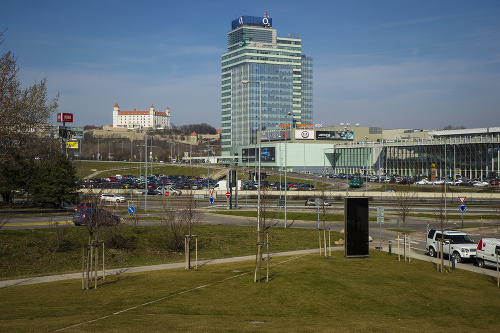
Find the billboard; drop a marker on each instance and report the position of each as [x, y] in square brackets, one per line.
[356, 227]
[252, 20]
[64, 117]
[251, 155]
[304, 134]
[71, 144]
[275, 135]
[334, 135]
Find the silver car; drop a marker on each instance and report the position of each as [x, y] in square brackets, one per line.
[112, 197]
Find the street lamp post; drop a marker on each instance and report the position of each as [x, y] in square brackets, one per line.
[346, 163]
[367, 162]
[146, 169]
[260, 145]
[286, 184]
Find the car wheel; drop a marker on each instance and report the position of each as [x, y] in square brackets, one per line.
[480, 263]
[458, 258]
[432, 252]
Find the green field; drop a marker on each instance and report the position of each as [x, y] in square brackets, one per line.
[36, 252]
[105, 169]
[306, 293]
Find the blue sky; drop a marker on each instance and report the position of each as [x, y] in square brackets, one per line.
[390, 64]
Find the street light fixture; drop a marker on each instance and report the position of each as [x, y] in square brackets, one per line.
[260, 129]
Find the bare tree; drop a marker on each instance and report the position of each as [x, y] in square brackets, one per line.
[60, 241]
[23, 112]
[442, 222]
[176, 224]
[405, 201]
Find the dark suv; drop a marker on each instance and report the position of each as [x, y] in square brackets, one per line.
[99, 216]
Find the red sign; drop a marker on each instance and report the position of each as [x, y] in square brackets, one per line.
[65, 117]
[167, 193]
[462, 199]
[228, 194]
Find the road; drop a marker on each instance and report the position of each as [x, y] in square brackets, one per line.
[419, 226]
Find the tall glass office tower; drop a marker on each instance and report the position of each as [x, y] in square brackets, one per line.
[279, 81]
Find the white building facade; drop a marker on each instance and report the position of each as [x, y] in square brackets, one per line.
[141, 119]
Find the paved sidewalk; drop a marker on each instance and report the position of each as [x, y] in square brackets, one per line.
[118, 271]
[465, 266]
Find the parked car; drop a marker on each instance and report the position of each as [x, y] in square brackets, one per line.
[112, 197]
[316, 202]
[82, 216]
[480, 184]
[83, 204]
[457, 244]
[487, 250]
[152, 191]
[171, 190]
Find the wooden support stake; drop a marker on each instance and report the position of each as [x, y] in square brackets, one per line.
[267, 273]
[498, 274]
[324, 239]
[449, 257]
[319, 238]
[409, 249]
[329, 242]
[91, 262]
[399, 254]
[103, 270]
[88, 268]
[96, 263]
[83, 267]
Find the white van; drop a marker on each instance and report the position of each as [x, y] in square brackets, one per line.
[486, 254]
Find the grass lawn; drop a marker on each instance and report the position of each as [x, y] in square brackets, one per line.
[328, 217]
[35, 252]
[305, 294]
[106, 169]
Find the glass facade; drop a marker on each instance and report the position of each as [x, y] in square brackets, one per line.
[466, 157]
[306, 91]
[276, 84]
[277, 63]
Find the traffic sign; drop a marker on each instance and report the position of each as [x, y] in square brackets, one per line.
[167, 193]
[131, 210]
[380, 214]
[211, 200]
[462, 199]
[462, 208]
[228, 194]
[211, 191]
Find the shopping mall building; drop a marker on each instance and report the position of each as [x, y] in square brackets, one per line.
[472, 153]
